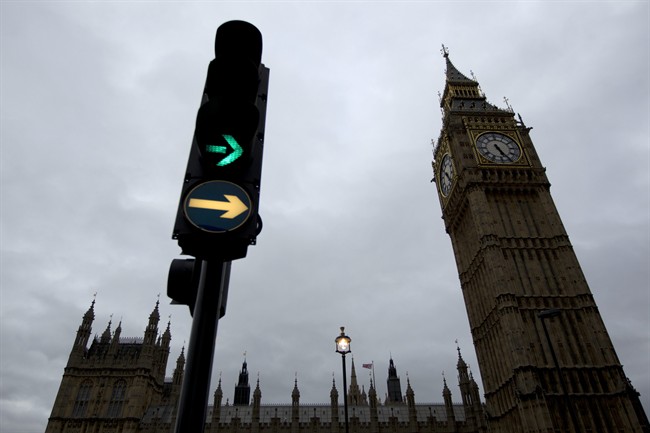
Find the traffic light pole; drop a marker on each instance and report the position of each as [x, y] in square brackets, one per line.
[193, 401]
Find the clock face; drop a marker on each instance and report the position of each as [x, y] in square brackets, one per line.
[446, 174]
[498, 148]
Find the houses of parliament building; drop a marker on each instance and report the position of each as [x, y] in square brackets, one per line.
[118, 385]
[546, 361]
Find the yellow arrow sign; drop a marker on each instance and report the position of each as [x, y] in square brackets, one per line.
[233, 207]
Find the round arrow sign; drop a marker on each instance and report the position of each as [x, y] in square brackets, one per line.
[217, 206]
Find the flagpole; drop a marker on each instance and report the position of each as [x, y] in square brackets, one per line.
[373, 375]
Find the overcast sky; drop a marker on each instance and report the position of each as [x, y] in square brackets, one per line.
[98, 104]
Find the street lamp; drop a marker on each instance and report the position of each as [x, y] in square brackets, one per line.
[548, 314]
[343, 347]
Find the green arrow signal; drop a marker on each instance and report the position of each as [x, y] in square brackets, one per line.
[237, 151]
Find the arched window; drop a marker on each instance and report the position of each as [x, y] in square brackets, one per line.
[117, 399]
[83, 398]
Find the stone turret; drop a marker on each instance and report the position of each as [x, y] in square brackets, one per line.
[334, 405]
[355, 396]
[393, 383]
[83, 333]
[243, 389]
[295, 407]
[449, 405]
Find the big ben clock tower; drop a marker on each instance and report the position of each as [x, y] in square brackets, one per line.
[546, 360]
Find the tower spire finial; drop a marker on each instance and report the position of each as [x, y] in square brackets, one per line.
[444, 51]
[509, 107]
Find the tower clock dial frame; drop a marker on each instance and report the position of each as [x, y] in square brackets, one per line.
[498, 148]
[446, 174]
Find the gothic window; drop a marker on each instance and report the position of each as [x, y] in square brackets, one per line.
[117, 399]
[82, 400]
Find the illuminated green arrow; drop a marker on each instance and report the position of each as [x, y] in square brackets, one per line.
[233, 206]
[237, 151]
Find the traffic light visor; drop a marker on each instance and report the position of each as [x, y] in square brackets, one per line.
[239, 38]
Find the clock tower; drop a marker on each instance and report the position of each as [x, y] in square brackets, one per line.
[546, 360]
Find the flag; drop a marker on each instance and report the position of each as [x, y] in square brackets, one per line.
[367, 365]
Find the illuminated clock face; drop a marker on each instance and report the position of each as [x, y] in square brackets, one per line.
[498, 148]
[446, 174]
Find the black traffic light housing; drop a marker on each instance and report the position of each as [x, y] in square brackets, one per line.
[217, 216]
[183, 283]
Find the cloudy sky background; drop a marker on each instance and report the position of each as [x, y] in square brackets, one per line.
[98, 104]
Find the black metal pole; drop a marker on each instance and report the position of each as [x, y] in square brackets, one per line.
[194, 396]
[345, 395]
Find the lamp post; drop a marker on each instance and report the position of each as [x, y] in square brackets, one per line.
[343, 347]
[547, 314]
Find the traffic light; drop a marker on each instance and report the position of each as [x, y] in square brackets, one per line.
[217, 215]
[183, 282]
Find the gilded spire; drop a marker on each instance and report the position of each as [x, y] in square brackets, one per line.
[453, 74]
[463, 94]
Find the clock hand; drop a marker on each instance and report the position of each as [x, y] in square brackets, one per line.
[502, 152]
